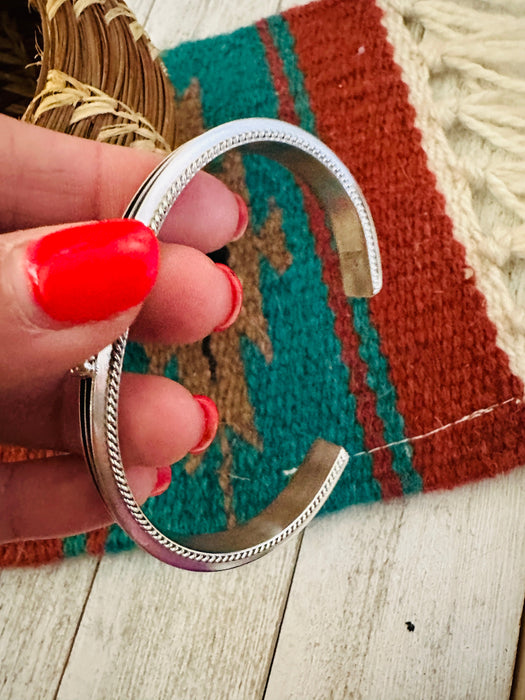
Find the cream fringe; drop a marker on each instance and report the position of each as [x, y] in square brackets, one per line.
[63, 90]
[465, 68]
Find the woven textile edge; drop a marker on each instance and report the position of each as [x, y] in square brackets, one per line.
[502, 310]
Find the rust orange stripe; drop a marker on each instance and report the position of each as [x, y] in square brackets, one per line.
[441, 347]
[286, 104]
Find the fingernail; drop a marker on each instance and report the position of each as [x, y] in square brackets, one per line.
[163, 481]
[236, 304]
[242, 223]
[92, 272]
[211, 423]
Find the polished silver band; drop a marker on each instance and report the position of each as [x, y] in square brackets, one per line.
[317, 166]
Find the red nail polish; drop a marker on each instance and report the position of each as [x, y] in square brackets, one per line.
[163, 481]
[242, 223]
[211, 423]
[237, 293]
[92, 272]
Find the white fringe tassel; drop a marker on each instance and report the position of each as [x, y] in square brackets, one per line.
[475, 55]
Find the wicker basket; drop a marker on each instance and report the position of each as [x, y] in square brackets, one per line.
[77, 83]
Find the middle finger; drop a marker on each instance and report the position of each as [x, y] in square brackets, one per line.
[159, 420]
[192, 297]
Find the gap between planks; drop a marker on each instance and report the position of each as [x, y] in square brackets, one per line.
[153, 632]
[420, 598]
[77, 628]
[518, 681]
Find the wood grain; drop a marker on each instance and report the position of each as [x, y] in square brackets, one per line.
[150, 631]
[175, 21]
[452, 565]
[142, 9]
[40, 610]
[518, 684]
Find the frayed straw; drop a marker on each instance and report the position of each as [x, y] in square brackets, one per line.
[63, 90]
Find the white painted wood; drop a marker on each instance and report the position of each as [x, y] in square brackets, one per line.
[452, 564]
[288, 4]
[174, 21]
[518, 686]
[141, 8]
[39, 613]
[150, 631]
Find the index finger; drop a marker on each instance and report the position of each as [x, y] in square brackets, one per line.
[74, 179]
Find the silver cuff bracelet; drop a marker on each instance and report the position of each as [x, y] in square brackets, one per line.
[353, 229]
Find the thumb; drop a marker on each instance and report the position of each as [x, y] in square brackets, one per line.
[65, 294]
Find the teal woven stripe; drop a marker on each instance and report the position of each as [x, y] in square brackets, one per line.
[225, 66]
[295, 397]
[369, 349]
[303, 393]
[379, 382]
[285, 45]
[75, 545]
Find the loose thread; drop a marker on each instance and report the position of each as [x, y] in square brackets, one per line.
[472, 416]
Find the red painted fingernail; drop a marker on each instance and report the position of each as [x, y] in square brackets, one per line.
[236, 287]
[211, 423]
[163, 481]
[242, 223]
[92, 272]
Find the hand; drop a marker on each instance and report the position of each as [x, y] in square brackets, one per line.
[67, 290]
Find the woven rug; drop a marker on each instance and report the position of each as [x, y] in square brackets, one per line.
[423, 384]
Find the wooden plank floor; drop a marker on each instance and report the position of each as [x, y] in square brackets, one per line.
[415, 599]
